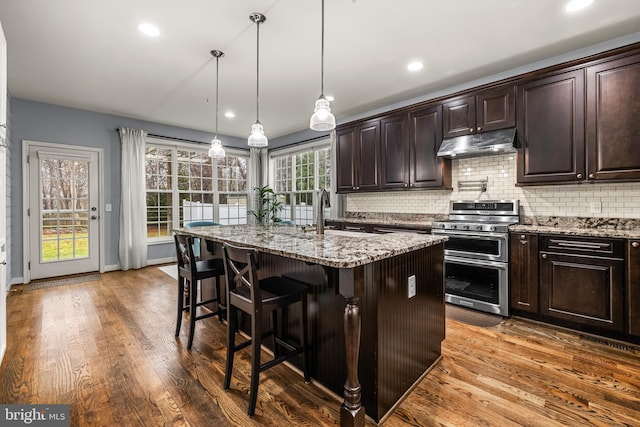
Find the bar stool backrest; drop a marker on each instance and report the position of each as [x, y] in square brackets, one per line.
[241, 269]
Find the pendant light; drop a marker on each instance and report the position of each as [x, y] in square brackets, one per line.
[322, 119]
[257, 138]
[216, 151]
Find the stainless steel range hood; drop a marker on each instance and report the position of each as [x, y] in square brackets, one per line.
[482, 144]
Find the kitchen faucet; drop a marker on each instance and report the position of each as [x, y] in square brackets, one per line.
[323, 201]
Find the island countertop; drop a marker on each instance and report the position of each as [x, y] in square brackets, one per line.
[335, 248]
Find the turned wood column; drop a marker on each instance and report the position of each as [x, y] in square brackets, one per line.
[352, 287]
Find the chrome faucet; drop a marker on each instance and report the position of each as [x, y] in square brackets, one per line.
[323, 201]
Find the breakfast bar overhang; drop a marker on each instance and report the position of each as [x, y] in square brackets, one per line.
[376, 306]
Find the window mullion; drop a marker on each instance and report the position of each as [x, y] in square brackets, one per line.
[175, 194]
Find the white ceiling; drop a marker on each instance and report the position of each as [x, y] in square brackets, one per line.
[88, 54]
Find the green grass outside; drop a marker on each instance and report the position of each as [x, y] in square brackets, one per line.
[66, 240]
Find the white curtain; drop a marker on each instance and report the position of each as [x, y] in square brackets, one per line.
[256, 177]
[133, 210]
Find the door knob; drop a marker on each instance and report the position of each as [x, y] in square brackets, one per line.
[94, 217]
[93, 209]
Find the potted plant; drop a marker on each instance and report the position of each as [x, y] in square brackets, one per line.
[269, 206]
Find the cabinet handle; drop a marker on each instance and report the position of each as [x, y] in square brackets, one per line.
[470, 129]
[522, 237]
[579, 176]
[635, 244]
[357, 188]
[353, 188]
[591, 176]
[544, 256]
[406, 185]
[479, 128]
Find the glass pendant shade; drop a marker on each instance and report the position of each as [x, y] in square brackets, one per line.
[216, 151]
[257, 138]
[322, 119]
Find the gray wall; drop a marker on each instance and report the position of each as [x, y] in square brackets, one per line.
[41, 122]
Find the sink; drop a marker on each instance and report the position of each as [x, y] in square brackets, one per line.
[346, 233]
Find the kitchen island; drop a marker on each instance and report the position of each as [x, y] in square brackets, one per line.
[389, 332]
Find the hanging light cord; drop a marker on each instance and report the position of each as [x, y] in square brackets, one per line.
[217, 78]
[322, 56]
[258, 72]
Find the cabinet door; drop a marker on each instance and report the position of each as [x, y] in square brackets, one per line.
[523, 283]
[496, 109]
[551, 129]
[427, 169]
[583, 290]
[346, 159]
[613, 127]
[633, 286]
[459, 117]
[394, 145]
[368, 140]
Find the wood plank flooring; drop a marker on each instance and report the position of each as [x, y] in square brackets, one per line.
[107, 349]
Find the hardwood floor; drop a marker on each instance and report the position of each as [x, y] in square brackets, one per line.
[107, 349]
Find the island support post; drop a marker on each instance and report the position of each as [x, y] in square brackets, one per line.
[351, 288]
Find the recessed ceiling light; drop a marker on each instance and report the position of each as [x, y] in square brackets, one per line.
[229, 114]
[149, 29]
[576, 5]
[415, 66]
[329, 98]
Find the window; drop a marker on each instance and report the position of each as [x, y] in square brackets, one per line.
[184, 184]
[295, 178]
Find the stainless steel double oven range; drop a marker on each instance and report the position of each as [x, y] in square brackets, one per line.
[477, 253]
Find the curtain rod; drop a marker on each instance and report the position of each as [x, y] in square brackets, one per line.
[170, 137]
[291, 144]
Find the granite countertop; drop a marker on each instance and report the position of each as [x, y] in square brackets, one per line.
[624, 228]
[416, 221]
[576, 231]
[336, 248]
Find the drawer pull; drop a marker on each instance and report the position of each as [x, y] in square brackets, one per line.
[544, 256]
[581, 245]
[635, 244]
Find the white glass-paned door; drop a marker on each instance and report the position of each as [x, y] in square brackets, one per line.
[63, 212]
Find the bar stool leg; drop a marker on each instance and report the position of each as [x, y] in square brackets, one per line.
[219, 299]
[180, 304]
[193, 295]
[305, 352]
[232, 321]
[256, 346]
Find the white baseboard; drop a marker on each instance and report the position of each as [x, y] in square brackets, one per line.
[161, 261]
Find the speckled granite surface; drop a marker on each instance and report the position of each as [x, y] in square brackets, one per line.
[333, 249]
[628, 228]
[384, 218]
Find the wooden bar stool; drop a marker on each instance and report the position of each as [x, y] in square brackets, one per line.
[190, 271]
[255, 297]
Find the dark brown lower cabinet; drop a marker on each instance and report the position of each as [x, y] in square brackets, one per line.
[523, 280]
[633, 286]
[582, 282]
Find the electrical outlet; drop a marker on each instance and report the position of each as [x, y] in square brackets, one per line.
[107, 207]
[411, 289]
[596, 207]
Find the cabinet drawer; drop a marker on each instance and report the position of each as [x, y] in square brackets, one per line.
[600, 247]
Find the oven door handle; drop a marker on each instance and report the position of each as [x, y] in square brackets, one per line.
[477, 236]
[475, 262]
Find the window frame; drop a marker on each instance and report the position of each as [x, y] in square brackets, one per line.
[292, 152]
[174, 146]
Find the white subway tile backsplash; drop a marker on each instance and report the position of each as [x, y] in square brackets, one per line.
[618, 200]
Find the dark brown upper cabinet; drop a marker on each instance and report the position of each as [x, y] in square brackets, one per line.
[425, 136]
[613, 124]
[481, 112]
[409, 144]
[551, 129]
[357, 157]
